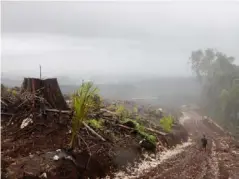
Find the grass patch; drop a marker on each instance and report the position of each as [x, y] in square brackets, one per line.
[166, 123]
[137, 118]
[122, 112]
[141, 131]
[111, 107]
[149, 137]
[97, 124]
[135, 110]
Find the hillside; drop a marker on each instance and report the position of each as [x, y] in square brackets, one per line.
[36, 139]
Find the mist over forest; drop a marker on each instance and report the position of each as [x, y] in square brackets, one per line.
[130, 50]
[169, 91]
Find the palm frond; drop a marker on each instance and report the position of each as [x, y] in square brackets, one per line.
[83, 101]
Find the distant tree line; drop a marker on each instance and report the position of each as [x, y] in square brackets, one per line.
[219, 77]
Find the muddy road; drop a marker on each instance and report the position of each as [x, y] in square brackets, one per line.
[220, 161]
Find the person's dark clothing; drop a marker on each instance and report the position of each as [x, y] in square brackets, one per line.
[204, 142]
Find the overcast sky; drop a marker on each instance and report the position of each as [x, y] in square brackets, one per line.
[72, 38]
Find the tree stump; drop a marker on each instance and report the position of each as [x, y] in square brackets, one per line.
[48, 89]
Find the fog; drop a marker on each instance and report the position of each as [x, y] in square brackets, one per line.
[113, 38]
[121, 44]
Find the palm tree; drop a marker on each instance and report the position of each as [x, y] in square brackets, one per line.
[83, 100]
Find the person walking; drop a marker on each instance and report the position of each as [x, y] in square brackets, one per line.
[204, 142]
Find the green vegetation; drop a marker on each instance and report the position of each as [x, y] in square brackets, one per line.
[14, 92]
[112, 107]
[166, 123]
[122, 112]
[97, 124]
[83, 101]
[219, 77]
[87, 99]
[135, 110]
[141, 131]
[10, 91]
[137, 118]
[149, 137]
[97, 101]
[120, 109]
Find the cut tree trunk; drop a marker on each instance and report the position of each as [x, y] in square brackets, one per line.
[48, 89]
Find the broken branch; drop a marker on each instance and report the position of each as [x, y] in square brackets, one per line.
[93, 132]
[7, 114]
[4, 103]
[59, 111]
[148, 129]
[154, 131]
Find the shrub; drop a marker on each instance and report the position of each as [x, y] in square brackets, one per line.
[166, 123]
[14, 92]
[137, 118]
[97, 124]
[122, 112]
[149, 137]
[111, 107]
[135, 110]
[141, 131]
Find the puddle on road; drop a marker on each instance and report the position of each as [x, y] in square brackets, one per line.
[151, 162]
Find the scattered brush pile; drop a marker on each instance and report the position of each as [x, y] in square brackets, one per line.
[91, 139]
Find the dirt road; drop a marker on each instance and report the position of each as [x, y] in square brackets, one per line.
[221, 161]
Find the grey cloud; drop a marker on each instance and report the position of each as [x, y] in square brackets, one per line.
[115, 37]
[138, 19]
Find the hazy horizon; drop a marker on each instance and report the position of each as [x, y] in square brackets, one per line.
[113, 38]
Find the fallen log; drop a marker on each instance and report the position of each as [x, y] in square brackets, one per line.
[7, 114]
[22, 103]
[147, 129]
[154, 131]
[4, 103]
[125, 127]
[59, 111]
[93, 132]
[106, 110]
